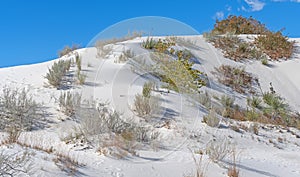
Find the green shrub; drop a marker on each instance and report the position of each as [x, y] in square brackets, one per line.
[264, 61]
[239, 25]
[275, 45]
[254, 102]
[149, 43]
[147, 88]
[276, 106]
[57, 72]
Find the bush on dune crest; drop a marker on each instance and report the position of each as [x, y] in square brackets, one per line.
[273, 44]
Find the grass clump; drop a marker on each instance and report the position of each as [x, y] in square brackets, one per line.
[80, 77]
[275, 45]
[161, 46]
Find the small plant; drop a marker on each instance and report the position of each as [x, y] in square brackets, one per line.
[81, 77]
[218, 150]
[57, 72]
[146, 106]
[211, 119]
[69, 102]
[125, 55]
[147, 88]
[277, 107]
[67, 50]
[227, 101]
[149, 43]
[78, 61]
[233, 171]
[264, 61]
[254, 102]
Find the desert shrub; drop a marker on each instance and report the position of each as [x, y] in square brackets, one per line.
[235, 77]
[252, 115]
[13, 164]
[18, 112]
[254, 102]
[275, 45]
[161, 46]
[239, 25]
[69, 102]
[67, 50]
[264, 61]
[235, 48]
[201, 166]
[78, 61]
[205, 99]
[149, 43]
[276, 105]
[211, 119]
[125, 55]
[147, 88]
[146, 106]
[57, 72]
[217, 150]
[227, 101]
[81, 77]
[180, 75]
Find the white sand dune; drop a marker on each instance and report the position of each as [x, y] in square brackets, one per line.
[118, 84]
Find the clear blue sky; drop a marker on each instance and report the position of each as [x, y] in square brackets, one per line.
[33, 31]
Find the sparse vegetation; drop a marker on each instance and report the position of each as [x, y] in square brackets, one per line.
[275, 45]
[236, 78]
[67, 50]
[235, 48]
[218, 150]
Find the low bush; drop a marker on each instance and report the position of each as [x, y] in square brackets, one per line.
[218, 150]
[67, 50]
[235, 48]
[211, 119]
[276, 105]
[236, 78]
[18, 112]
[239, 25]
[57, 72]
[69, 102]
[146, 106]
[161, 46]
[275, 45]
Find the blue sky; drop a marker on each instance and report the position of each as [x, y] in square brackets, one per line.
[33, 31]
